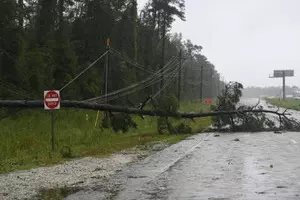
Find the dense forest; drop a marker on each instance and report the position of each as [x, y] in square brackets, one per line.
[44, 44]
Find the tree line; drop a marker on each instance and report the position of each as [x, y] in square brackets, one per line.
[45, 43]
[268, 91]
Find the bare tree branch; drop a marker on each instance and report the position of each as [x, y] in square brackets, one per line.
[285, 111]
[256, 105]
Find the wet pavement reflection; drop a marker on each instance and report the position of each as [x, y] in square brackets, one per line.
[257, 166]
[230, 167]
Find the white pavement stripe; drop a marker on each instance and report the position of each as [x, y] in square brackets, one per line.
[168, 166]
[293, 141]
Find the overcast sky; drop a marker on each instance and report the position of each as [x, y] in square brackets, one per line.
[245, 39]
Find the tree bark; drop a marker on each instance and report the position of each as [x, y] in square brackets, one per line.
[128, 110]
[21, 19]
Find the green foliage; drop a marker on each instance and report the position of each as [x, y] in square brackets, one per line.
[122, 122]
[183, 128]
[166, 104]
[289, 103]
[227, 102]
[162, 125]
[46, 43]
[25, 137]
[253, 122]
[66, 152]
[118, 122]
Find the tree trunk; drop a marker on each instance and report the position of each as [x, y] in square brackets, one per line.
[21, 19]
[128, 110]
[61, 17]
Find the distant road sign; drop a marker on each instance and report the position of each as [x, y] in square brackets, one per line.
[51, 100]
[281, 73]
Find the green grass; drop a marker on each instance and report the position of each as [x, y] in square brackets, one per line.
[25, 137]
[289, 103]
[194, 106]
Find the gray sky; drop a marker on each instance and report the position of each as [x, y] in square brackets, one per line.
[245, 39]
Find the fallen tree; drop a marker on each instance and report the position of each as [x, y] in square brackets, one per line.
[129, 110]
[243, 118]
[225, 113]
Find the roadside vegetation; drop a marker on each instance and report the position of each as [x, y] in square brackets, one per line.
[131, 54]
[25, 140]
[289, 103]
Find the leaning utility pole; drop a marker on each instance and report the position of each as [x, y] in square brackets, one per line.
[179, 77]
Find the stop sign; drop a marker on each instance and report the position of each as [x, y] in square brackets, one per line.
[51, 100]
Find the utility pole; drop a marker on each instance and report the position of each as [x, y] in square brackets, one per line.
[106, 68]
[163, 52]
[201, 83]
[283, 86]
[218, 86]
[211, 83]
[179, 77]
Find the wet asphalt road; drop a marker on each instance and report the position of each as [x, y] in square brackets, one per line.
[256, 166]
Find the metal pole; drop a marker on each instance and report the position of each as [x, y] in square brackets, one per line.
[283, 86]
[52, 131]
[179, 77]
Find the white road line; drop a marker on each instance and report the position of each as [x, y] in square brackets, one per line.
[293, 141]
[168, 166]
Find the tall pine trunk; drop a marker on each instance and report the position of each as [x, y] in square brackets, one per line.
[21, 19]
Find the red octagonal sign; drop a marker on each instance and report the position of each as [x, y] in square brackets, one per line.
[51, 100]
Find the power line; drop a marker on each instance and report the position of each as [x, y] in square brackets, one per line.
[125, 93]
[137, 89]
[163, 88]
[150, 79]
[133, 63]
[166, 84]
[91, 65]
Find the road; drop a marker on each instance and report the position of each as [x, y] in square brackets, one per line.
[232, 166]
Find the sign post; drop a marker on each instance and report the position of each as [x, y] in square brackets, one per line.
[52, 102]
[283, 74]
